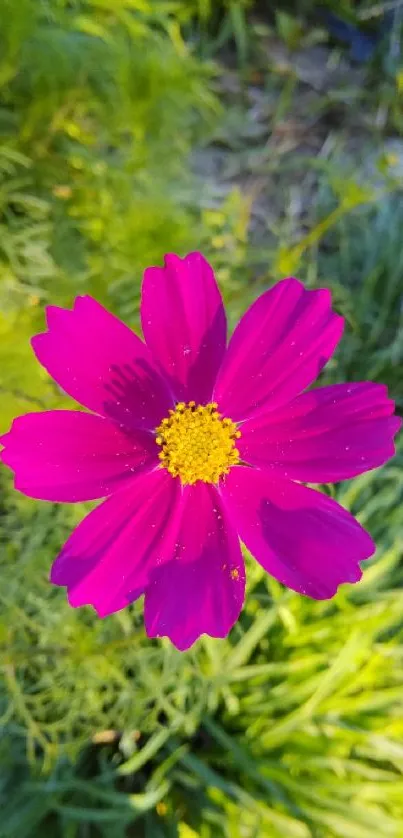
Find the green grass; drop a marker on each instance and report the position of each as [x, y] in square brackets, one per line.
[293, 725]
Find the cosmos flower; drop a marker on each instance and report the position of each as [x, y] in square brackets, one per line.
[198, 446]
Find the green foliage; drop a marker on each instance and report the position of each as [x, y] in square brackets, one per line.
[97, 123]
[292, 726]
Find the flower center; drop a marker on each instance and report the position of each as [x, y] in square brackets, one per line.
[197, 443]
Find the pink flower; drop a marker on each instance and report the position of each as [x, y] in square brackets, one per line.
[197, 446]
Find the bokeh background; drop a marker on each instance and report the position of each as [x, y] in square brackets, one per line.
[269, 135]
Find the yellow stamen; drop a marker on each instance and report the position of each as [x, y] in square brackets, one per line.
[197, 443]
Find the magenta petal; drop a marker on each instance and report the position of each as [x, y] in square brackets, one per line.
[202, 589]
[102, 364]
[325, 435]
[63, 455]
[279, 347]
[108, 559]
[184, 324]
[301, 537]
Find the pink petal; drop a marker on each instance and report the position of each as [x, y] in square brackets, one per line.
[301, 537]
[202, 589]
[278, 348]
[108, 559]
[184, 324]
[102, 364]
[325, 435]
[62, 455]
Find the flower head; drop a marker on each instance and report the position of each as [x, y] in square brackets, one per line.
[197, 446]
[197, 443]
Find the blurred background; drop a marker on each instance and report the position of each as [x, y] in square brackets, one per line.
[269, 135]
